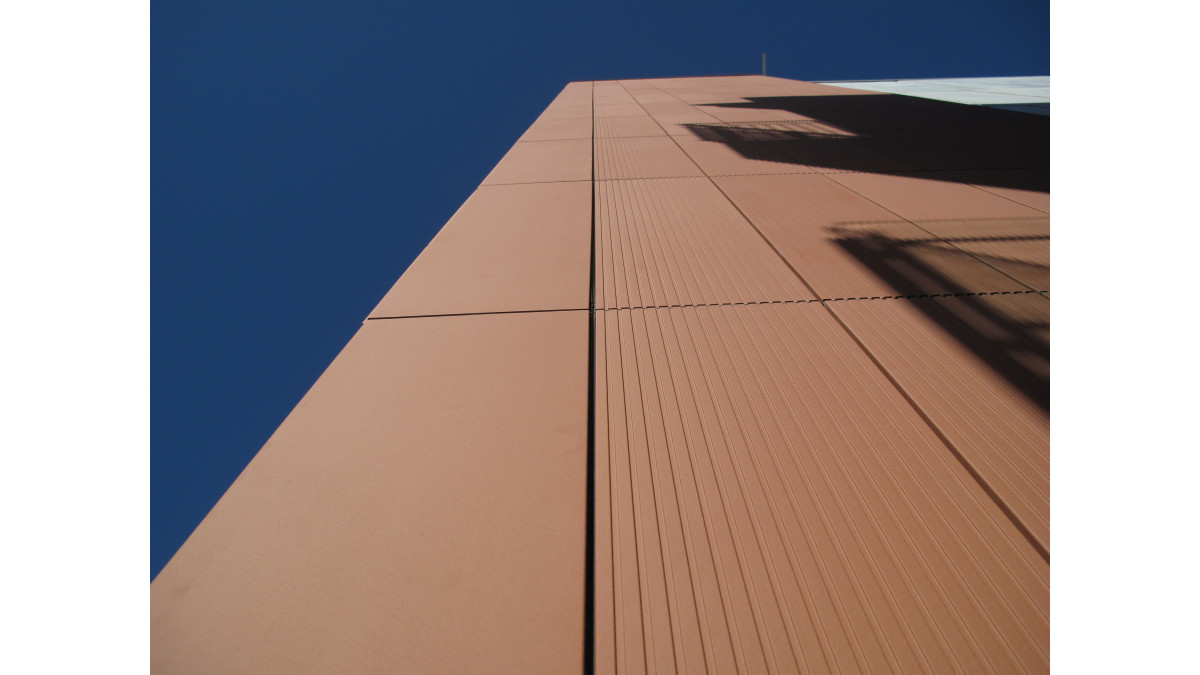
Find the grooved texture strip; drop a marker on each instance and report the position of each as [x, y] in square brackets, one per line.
[680, 242]
[634, 125]
[618, 109]
[772, 504]
[979, 369]
[654, 157]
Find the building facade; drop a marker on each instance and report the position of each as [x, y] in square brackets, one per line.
[730, 374]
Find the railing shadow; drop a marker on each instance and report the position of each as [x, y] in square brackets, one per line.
[1013, 340]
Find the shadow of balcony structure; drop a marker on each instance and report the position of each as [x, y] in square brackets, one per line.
[1011, 338]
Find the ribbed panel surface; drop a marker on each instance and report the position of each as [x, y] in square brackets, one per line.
[633, 125]
[680, 242]
[651, 95]
[998, 431]
[641, 158]
[618, 109]
[767, 502]
[856, 484]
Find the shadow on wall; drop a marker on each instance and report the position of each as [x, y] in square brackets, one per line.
[880, 133]
[1009, 333]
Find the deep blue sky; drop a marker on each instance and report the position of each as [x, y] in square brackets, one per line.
[302, 154]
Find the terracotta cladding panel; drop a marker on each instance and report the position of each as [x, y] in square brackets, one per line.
[568, 109]
[624, 127]
[421, 510]
[556, 129]
[544, 162]
[772, 504]
[1030, 187]
[570, 104]
[482, 260]
[675, 116]
[740, 114]
[680, 242]
[846, 246]
[619, 95]
[698, 97]
[769, 130]
[650, 95]
[618, 109]
[732, 158]
[917, 197]
[774, 86]
[978, 367]
[645, 157]
[1020, 249]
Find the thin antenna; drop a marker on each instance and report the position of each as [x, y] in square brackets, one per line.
[764, 63]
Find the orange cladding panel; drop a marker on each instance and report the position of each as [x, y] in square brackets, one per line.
[421, 510]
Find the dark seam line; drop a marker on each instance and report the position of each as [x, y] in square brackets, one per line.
[1012, 517]
[589, 598]
[515, 311]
